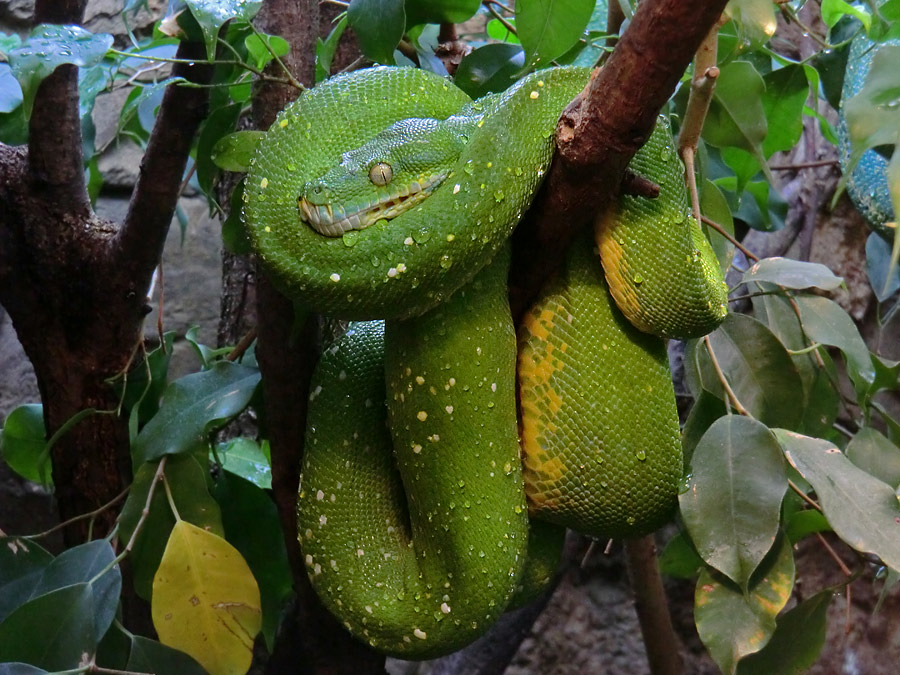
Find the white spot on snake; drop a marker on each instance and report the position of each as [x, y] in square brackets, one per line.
[264, 183]
[392, 272]
[317, 569]
[445, 608]
[369, 609]
[360, 553]
[420, 379]
[449, 409]
[456, 189]
[533, 95]
[421, 634]
[451, 237]
[267, 228]
[401, 267]
[334, 564]
[283, 123]
[540, 83]
[335, 277]
[408, 241]
[434, 438]
[342, 375]
[320, 495]
[309, 559]
[422, 416]
[323, 519]
[417, 448]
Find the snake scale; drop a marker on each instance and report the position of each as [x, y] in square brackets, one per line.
[386, 197]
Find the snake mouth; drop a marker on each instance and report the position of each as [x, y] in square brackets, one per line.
[332, 220]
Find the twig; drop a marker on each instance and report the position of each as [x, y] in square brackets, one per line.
[803, 495]
[727, 387]
[90, 514]
[721, 230]
[293, 81]
[503, 20]
[242, 346]
[804, 165]
[840, 563]
[170, 498]
[663, 650]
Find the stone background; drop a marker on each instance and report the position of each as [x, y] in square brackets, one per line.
[589, 625]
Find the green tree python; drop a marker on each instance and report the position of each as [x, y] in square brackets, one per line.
[387, 195]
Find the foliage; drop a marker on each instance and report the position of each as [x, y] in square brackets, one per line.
[768, 464]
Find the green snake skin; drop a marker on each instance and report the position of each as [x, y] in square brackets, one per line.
[412, 511]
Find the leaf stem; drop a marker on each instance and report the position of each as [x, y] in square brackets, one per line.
[805, 497]
[242, 346]
[805, 350]
[727, 387]
[502, 19]
[293, 81]
[90, 514]
[721, 230]
[170, 498]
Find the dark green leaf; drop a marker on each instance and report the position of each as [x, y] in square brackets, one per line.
[490, 68]
[22, 563]
[211, 15]
[876, 455]
[803, 523]
[793, 274]
[707, 409]
[150, 656]
[878, 267]
[378, 25]
[733, 624]
[207, 355]
[20, 669]
[679, 559]
[234, 151]
[243, 457]
[49, 46]
[497, 30]
[52, 631]
[825, 322]
[219, 125]
[759, 370]
[796, 643]
[187, 481]
[192, 407]
[786, 92]
[861, 509]
[714, 206]
[146, 383]
[22, 443]
[112, 652]
[325, 50]
[440, 11]
[732, 506]
[549, 28]
[252, 526]
[261, 53]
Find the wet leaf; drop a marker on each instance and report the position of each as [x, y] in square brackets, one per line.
[261, 47]
[206, 601]
[861, 509]
[211, 15]
[22, 442]
[234, 151]
[490, 68]
[245, 458]
[218, 125]
[440, 11]
[379, 26]
[793, 274]
[786, 92]
[755, 20]
[192, 407]
[549, 28]
[732, 507]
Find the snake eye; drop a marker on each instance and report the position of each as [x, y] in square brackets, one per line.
[381, 173]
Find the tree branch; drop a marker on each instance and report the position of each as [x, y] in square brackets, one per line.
[601, 130]
[55, 160]
[142, 236]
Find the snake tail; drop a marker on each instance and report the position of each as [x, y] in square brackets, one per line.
[416, 536]
[661, 270]
[600, 433]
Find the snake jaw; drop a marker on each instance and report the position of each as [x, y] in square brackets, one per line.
[331, 220]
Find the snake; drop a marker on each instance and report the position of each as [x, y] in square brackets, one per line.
[867, 183]
[428, 504]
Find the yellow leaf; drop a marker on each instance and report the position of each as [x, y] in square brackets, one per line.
[206, 601]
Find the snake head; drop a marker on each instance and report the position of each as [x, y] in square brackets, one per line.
[399, 168]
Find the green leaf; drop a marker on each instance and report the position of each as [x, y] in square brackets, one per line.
[786, 92]
[187, 481]
[49, 46]
[883, 280]
[150, 656]
[714, 206]
[52, 631]
[798, 639]
[758, 368]
[253, 527]
[233, 152]
[861, 509]
[211, 15]
[707, 409]
[490, 68]
[217, 126]
[736, 115]
[803, 523]
[496, 30]
[143, 392]
[793, 274]
[261, 54]
[22, 563]
[549, 28]
[872, 452]
[835, 10]
[733, 624]
[679, 558]
[325, 50]
[208, 355]
[243, 457]
[22, 443]
[206, 601]
[825, 322]
[379, 25]
[755, 21]
[440, 11]
[873, 117]
[732, 506]
[192, 407]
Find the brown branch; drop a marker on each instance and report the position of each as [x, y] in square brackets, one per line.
[663, 649]
[56, 166]
[600, 132]
[142, 236]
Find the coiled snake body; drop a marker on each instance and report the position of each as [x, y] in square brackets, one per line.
[388, 194]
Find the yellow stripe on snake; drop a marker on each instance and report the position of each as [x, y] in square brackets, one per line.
[387, 194]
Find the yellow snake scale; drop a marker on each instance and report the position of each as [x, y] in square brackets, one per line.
[417, 525]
